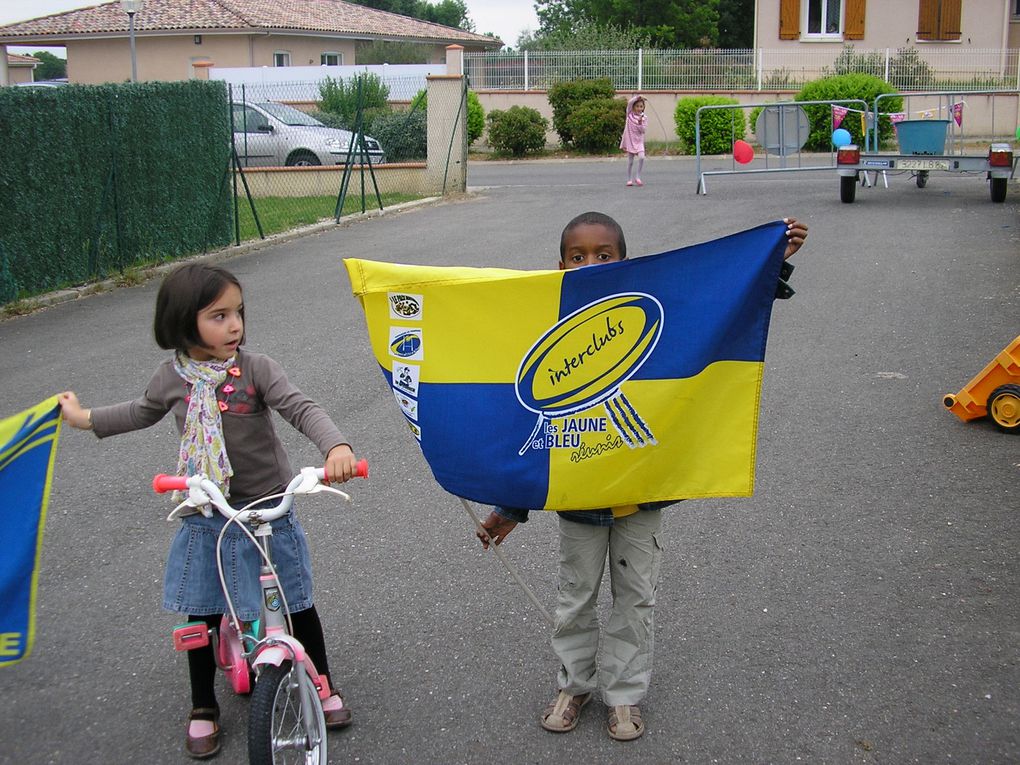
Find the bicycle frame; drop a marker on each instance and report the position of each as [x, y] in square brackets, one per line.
[273, 645]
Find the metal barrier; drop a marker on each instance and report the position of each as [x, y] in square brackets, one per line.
[783, 146]
[946, 102]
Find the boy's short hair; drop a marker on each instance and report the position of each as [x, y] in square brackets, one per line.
[593, 219]
[184, 292]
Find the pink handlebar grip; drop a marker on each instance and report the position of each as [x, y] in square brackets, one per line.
[361, 469]
[164, 483]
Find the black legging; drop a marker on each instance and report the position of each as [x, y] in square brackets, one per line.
[202, 663]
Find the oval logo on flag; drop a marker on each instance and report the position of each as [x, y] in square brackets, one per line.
[586, 356]
[405, 344]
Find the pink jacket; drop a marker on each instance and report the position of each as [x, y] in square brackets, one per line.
[633, 140]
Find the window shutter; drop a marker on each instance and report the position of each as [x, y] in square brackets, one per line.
[789, 19]
[927, 19]
[853, 24]
[951, 13]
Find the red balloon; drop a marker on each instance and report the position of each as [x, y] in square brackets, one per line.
[742, 152]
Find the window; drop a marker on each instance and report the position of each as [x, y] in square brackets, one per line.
[332, 58]
[281, 58]
[825, 19]
[939, 20]
[247, 120]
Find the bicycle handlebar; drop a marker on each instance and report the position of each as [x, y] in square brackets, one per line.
[202, 491]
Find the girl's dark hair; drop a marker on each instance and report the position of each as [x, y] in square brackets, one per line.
[593, 219]
[184, 292]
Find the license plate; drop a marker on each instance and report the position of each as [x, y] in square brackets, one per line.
[922, 164]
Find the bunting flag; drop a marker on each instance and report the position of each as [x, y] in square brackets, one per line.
[958, 113]
[603, 386]
[29, 448]
[838, 113]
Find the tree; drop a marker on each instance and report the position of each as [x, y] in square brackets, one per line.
[666, 23]
[451, 13]
[51, 68]
[586, 35]
[736, 23]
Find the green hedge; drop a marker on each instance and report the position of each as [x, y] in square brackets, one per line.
[94, 179]
[866, 87]
[719, 127]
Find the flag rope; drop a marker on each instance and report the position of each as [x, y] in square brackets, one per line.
[507, 564]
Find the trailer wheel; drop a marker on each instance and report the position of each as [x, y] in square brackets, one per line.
[1004, 407]
[847, 188]
[922, 179]
[998, 189]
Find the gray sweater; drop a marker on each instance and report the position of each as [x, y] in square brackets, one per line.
[256, 454]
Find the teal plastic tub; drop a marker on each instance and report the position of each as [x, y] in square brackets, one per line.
[922, 136]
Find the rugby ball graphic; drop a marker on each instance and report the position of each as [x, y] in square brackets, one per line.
[582, 360]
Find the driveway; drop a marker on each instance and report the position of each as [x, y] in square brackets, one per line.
[860, 608]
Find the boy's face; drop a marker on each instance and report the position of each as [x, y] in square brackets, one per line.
[590, 244]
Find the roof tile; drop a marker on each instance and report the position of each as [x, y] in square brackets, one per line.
[328, 16]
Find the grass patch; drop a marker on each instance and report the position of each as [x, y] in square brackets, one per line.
[277, 214]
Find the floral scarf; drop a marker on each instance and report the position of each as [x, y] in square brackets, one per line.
[203, 449]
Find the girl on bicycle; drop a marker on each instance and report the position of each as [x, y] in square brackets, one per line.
[222, 397]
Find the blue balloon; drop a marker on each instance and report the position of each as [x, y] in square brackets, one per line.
[840, 137]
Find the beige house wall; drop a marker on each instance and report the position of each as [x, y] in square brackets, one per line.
[893, 24]
[171, 57]
[402, 178]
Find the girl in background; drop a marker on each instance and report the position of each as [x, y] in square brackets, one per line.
[633, 140]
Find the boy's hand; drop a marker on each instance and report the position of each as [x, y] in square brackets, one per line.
[341, 465]
[497, 528]
[796, 233]
[72, 412]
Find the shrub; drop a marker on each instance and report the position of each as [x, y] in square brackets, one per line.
[564, 97]
[597, 125]
[340, 97]
[517, 130]
[719, 127]
[403, 135]
[475, 113]
[845, 86]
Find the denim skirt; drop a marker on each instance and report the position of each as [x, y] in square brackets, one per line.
[192, 586]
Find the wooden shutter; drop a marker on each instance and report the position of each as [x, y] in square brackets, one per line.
[789, 19]
[951, 13]
[927, 19]
[853, 23]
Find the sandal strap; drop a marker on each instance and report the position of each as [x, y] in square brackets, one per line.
[212, 714]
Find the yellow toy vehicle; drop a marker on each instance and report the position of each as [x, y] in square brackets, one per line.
[995, 391]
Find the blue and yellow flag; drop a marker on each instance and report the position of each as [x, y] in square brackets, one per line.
[29, 448]
[603, 386]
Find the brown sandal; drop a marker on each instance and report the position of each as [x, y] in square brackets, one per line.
[625, 723]
[563, 714]
[203, 747]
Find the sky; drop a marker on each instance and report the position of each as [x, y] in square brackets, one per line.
[504, 18]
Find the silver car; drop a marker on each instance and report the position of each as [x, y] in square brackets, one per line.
[268, 134]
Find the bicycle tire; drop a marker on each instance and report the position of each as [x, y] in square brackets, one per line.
[285, 721]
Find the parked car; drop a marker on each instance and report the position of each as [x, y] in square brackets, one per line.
[269, 134]
[42, 84]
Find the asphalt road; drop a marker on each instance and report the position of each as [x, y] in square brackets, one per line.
[860, 608]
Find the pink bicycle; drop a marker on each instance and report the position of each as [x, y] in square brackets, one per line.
[286, 722]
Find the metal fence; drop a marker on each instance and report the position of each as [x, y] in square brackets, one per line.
[302, 160]
[909, 68]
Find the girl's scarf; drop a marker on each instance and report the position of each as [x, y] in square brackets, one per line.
[203, 450]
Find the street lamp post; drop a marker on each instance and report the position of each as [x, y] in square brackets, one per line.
[131, 7]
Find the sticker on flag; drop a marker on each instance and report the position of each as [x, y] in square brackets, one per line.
[610, 385]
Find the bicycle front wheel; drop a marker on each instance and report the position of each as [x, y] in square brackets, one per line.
[286, 725]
